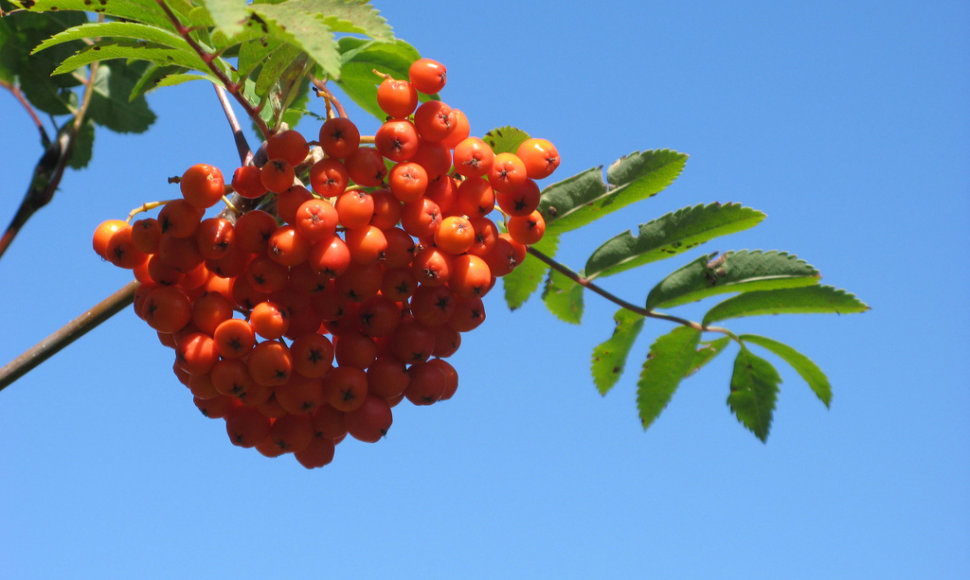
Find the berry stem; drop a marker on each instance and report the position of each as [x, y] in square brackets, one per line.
[589, 285]
[209, 59]
[147, 206]
[67, 334]
[322, 90]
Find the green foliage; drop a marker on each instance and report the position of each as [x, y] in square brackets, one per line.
[802, 364]
[609, 357]
[360, 58]
[671, 358]
[505, 139]
[809, 300]
[754, 389]
[574, 203]
[563, 297]
[267, 53]
[668, 236]
[741, 271]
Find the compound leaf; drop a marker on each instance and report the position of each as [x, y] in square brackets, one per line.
[803, 365]
[609, 357]
[742, 271]
[754, 389]
[807, 300]
[669, 235]
[670, 360]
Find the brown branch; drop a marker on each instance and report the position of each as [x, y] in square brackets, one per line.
[242, 146]
[67, 334]
[209, 60]
[589, 285]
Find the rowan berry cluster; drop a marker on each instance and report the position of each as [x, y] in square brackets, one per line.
[312, 316]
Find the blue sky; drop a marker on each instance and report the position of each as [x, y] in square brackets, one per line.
[847, 123]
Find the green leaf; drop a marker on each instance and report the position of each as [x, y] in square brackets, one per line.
[130, 30]
[20, 32]
[361, 57]
[228, 16]
[110, 105]
[351, 16]
[297, 23]
[505, 139]
[583, 198]
[669, 235]
[803, 365]
[669, 361]
[132, 49]
[742, 271]
[754, 389]
[521, 282]
[706, 352]
[253, 53]
[273, 66]
[139, 11]
[162, 76]
[809, 300]
[563, 297]
[83, 148]
[609, 358]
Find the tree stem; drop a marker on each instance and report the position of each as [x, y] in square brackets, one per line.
[67, 334]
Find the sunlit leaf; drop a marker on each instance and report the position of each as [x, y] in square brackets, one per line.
[131, 49]
[706, 351]
[808, 300]
[803, 365]
[669, 361]
[359, 60]
[522, 282]
[742, 271]
[563, 297]
[505, 139]
[583, 198]
[668, 236]
[609, 357]
[754, 389]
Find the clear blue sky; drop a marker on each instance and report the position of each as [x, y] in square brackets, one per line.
[847, 123]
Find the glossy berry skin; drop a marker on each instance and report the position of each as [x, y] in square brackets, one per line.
[397, 98]
[539, 156]
[202, 185]
[427, 75]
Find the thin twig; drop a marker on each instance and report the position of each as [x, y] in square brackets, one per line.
[588, 284]
[45, 139]
[242, 146]
[67, 334]
[210, 59]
